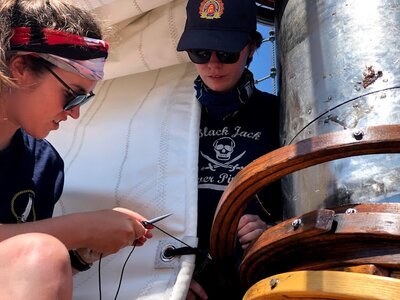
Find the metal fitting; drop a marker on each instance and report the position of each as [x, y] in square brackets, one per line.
[273, 283]
[167, 253]
[296, 223]
[350, 211]
[358, 134]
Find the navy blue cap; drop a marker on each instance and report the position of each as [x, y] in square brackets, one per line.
[220, 25]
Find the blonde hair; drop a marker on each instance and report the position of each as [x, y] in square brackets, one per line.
[53, 14]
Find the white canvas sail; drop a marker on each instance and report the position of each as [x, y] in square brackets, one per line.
[136, 146]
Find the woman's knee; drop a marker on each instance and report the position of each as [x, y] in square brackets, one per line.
[35, 263]
[35, 250]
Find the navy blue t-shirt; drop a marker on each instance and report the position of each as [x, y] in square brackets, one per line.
[227, 146]
[31, 179]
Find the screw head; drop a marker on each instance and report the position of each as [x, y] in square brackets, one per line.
[358, 134]
[273, 283]
[296, 223]
[350, 211]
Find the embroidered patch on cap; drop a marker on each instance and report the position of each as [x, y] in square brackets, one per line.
[211, 9]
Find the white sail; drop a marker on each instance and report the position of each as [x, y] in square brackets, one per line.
[136, 146]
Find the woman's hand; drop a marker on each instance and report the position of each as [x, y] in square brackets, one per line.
[249, 229]
[110, 230]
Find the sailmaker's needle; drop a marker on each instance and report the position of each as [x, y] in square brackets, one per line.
[155, 220]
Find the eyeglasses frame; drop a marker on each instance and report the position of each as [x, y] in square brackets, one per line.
[73, 94]
[217, 53]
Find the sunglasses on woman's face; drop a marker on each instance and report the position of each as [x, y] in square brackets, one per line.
[75, 99]
[203, 56]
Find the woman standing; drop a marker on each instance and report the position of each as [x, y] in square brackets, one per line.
[238, 123]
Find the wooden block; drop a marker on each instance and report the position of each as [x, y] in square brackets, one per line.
[332, 285]
[361, 238]
[364, 269]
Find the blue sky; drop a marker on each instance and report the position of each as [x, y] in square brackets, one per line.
[262, 61]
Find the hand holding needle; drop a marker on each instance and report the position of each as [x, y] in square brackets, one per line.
[154, 220]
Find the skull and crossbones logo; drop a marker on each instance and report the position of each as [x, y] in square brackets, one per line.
[223, 148]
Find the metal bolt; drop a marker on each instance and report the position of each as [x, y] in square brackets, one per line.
[272, 36]
[358, 134]
[273, 283]
[351, 211]
[296, 223]
[273, 72]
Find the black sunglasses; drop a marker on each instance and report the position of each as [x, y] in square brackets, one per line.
[75, 98]
[202, 56]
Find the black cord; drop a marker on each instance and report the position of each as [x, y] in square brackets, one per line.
[126, 261]
[341, 104]
[101, 256]
[123, 269]
[171, 236]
